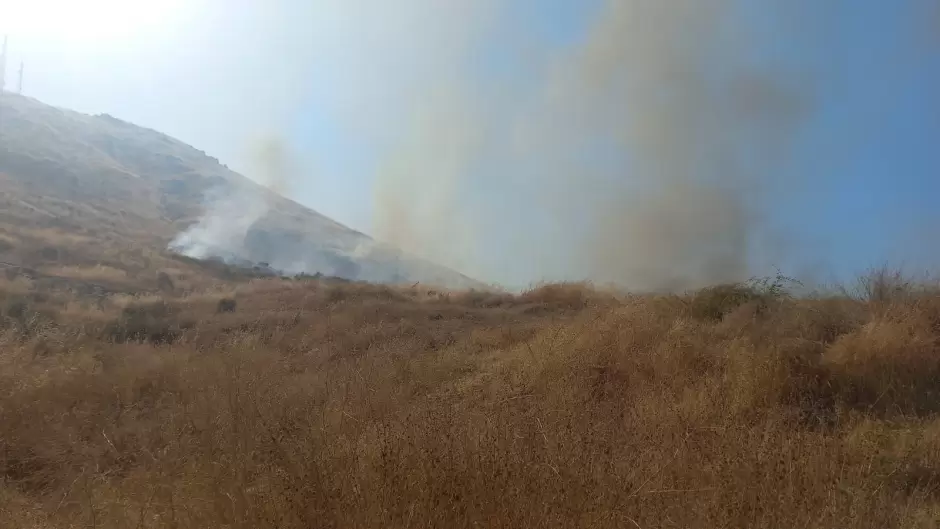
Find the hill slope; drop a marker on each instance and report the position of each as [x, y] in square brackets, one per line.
[98, 175]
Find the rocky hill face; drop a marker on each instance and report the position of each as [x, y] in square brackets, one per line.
[103, 177]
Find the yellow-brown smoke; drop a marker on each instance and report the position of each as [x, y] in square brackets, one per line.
[649, 148]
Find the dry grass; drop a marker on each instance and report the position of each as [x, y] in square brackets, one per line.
[89, 273]
[16, 286]
[316, 405]
[95, 257]
[7, 243]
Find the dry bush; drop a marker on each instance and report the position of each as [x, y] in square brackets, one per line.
[226, 305]
[884, 286]
[568, 295]
[714, 303]
[889, 365]
[479, 298]
[154, 322]
[328, 405]
[165, 283]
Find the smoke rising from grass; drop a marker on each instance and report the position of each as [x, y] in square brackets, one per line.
[657, 148]
[418, 194]
[231, 212]
[694, 136]
[646, 153]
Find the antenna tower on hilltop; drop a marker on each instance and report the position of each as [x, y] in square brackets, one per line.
[3, 80]
[19, 86]
[3, 64]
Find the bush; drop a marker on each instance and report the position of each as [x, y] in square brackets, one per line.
[714, 303]
[568, 295]
[882, 286]
[149, 322]
[165, 282]
[887, 365]
[481, 299]
[226, 305]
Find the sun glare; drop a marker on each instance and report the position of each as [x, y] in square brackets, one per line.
[86, 21]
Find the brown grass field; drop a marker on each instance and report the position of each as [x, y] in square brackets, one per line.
[299, 404]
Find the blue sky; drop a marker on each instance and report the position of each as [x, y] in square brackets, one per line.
[647, 142]
[871, 149]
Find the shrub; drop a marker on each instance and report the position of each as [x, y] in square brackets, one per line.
[883, 286]
[226, 305]
[165, 282]
[714, 303]
[888, 365]
[154, 322]
[568, 295]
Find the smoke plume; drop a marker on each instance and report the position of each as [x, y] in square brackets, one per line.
[647, 153]
[659, 146]
[231, 211]
[694, 136]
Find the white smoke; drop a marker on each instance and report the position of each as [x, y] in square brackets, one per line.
[231, 212]
[221, 231]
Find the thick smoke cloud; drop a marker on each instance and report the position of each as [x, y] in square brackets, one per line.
[658, 144]
[655, 149]
[694, 133]
[646, 153]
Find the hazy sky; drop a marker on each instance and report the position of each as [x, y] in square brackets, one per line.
[648, 142]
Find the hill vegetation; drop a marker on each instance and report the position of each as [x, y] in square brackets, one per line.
[271, 403]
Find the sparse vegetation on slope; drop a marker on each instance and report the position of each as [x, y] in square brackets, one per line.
[348, 405]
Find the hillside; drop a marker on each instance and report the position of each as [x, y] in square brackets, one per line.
[141, 388]
[288, 404]
[100, 177]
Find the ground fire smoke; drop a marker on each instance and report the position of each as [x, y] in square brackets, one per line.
[693, 133]
[645, 153]
[658, 148]
[232, 211]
